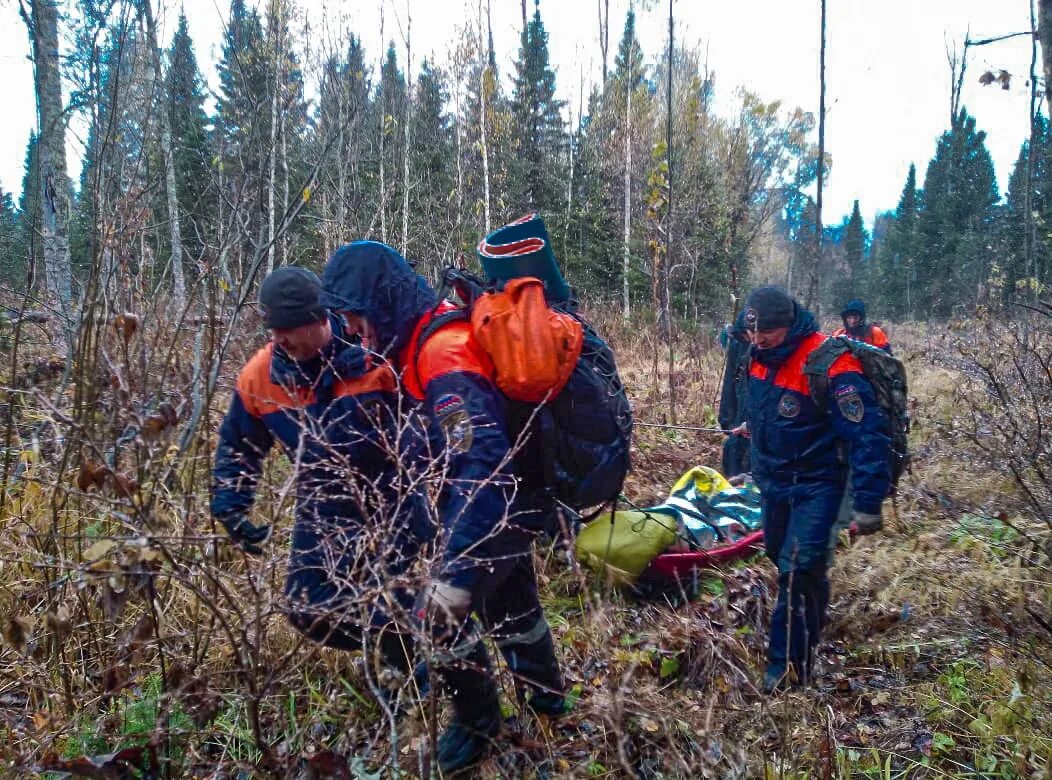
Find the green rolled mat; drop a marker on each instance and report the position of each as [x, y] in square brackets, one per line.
[522, 248]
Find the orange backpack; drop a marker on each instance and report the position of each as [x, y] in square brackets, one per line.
[547, 357]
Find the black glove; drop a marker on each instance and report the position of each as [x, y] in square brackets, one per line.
[246, 535]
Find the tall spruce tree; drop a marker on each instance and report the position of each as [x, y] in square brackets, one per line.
[431, 175]
[852, 283]
[955, 221]
[896, 264]
[390, 108]
[12, 245]
[342, 123]
[539, 140]
[243, 134]
[1026, 257]
[192, 150]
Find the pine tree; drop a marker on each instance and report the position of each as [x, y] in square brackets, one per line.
[852, 284]
[191, 144]
[1018, 266]
[896, 262]
[390, 107]
[12, 246]
[538, 150]
[431, 157]
[343, 123]
[243, 134]
[955, 221]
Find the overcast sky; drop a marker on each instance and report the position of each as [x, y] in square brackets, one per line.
[888, 81]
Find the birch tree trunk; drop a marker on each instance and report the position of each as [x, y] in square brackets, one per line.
[626, 262]
[383, 126]
[275, 45]
[54, 179]
[405, 122]
[1044, 33]
[485, 145]
[170, 192]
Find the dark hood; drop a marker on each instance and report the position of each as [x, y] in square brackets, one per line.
[374, 281]
[739, 330]
[340, 359]
[855, 307]
[803, 326]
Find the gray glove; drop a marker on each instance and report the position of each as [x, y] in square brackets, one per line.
[864, 523]
[445, 606]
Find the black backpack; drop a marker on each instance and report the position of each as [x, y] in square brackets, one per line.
[579, 441]
[885, 373]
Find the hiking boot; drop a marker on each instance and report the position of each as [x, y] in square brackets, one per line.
[778, 678]
[465, 743]
[546, 703]
[476, 712]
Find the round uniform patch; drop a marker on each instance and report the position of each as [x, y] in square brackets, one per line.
[851, 406]
[456, 426]
[788, 406]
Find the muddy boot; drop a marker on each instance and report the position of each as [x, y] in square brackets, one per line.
[476, 713]
[537, 676]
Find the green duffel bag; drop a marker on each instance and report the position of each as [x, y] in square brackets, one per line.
[623, 547]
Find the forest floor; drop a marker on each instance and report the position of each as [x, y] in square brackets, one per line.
[935, 662]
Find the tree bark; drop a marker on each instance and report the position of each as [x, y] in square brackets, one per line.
[275, 46]
[405, 122]
[54, 179]
[812, 286]
[604, 33]
[170, 191]
[1044, 33]
[626, 260]
[485, 146]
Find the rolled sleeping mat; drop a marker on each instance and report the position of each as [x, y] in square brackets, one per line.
[522, 248]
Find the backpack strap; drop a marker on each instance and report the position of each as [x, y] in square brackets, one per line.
[817, 367]
[455, 281]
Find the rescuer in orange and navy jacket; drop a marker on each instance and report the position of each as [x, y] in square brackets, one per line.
[488, 509]
[855, 326]
[312, 391]
[800, 454]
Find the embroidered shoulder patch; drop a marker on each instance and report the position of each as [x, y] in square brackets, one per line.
[457, 429]
[851, 406]
[845, 390]
[788, 406]
[447, 403]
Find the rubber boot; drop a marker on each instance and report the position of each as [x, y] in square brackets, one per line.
[537, 676]
[476, 713]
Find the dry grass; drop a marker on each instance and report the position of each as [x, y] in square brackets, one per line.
[168, 645]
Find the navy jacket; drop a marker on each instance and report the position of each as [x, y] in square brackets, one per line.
[334, 416]
[793, 441]
[451, 378]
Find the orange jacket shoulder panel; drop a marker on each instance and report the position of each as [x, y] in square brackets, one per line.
[259, 395]
[377, 380]
[452, 348]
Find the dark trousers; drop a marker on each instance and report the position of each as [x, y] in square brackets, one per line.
[336, 592]
[797, 519]
[735, 456]
[504, 596]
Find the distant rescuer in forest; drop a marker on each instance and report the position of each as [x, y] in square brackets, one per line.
[312, 390]
[487, 511]
[798, 466]
[856, 327]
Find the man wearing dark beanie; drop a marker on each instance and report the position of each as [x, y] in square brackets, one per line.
[311, 390]
[797, 462]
